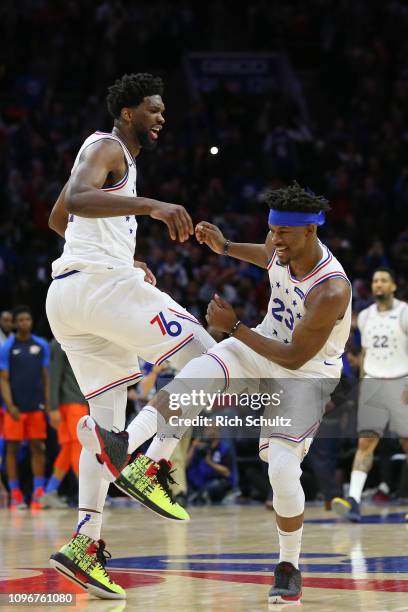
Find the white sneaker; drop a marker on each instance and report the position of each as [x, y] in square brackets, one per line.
[51, 500]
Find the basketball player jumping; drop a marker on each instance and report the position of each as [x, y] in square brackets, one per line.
[301, 338]
[105, 312]
[384, 387]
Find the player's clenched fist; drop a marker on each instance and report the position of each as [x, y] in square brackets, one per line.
[176, 218]
[211, 235]
[220, 314]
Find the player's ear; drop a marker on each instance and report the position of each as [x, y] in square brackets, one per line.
[125, 114]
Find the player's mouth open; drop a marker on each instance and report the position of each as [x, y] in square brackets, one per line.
[154, 132]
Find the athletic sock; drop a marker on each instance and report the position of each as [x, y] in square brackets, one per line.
[92, 494]
[289, 545]
[90, 524]
[2, 449]
[38, 482]
[109, 411]
[161, 448]
[143, 427]
[52, 484]
[357, 482]
[14, 485]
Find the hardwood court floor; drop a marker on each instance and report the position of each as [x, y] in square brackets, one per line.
[221, 561]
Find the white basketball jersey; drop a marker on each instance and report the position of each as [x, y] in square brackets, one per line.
[286, 309]
[384, 336]
[97, 244]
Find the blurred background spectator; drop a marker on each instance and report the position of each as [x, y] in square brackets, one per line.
[211, 467]
[67, 406]
[6, 325]
[24, 362]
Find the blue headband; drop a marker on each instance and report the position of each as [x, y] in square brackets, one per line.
[295, 219]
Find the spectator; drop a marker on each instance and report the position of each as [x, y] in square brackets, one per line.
[24, 362]
[174, 268]
[6, 325]
[211, 468]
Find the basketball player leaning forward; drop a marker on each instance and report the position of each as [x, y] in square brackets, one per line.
[300, 340]
[105, 312]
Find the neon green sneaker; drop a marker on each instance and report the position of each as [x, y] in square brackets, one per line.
[83, 561]
[148, 482]
[143, 479]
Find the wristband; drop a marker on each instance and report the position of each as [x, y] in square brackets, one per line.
[226, 246]
[234, 329]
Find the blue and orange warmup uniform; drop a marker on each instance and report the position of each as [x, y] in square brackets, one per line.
[25, 361]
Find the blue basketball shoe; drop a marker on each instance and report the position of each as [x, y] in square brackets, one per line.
[347, 508]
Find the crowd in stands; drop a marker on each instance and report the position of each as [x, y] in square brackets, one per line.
[350, 145]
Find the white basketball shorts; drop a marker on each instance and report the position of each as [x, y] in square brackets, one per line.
[104, 321]
[233, 367]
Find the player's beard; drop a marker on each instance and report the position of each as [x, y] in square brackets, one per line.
[381, 298]
[146, 142]
[285, 260]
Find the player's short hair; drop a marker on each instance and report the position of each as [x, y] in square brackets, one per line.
[130, 90]
[388, 271]
[296, 199]
[21, 309]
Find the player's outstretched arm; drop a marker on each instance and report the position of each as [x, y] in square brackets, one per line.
[326, 304]
[212, 236]
[85, 198]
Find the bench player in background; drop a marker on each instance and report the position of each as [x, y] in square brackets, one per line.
[105, 312]
[67, 406]
[383, 399]
[24, 362]
[301, 340]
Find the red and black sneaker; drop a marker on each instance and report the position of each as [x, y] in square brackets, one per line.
[110, 448]
[287, 587]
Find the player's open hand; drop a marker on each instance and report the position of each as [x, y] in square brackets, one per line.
[149, 276]
[220, 314]
[211, 235]
[176, 218]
